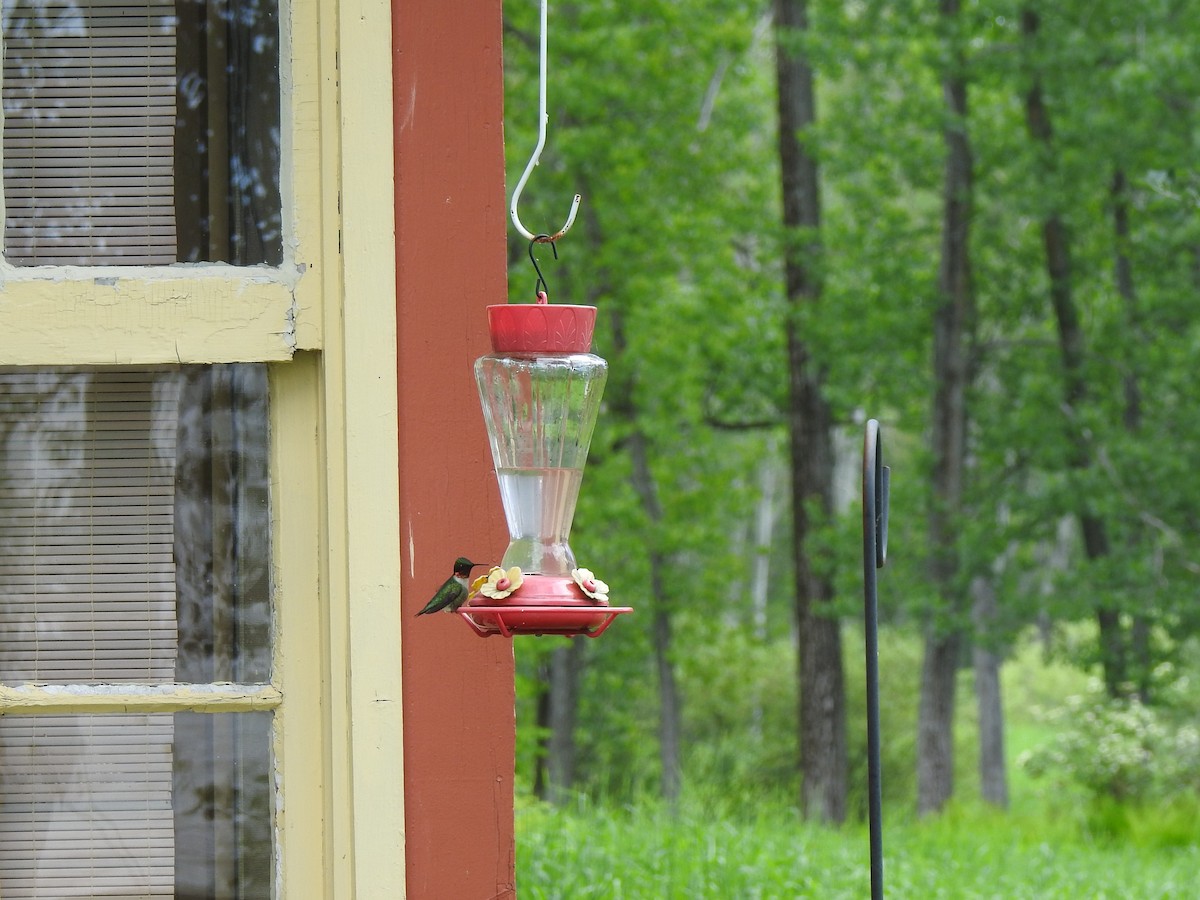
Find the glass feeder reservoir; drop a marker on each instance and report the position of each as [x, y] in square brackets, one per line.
[540, 390]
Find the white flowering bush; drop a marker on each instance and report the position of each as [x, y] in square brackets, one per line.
[1123, 750]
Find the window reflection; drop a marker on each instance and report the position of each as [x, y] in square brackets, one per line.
[141, 133]
[227, 132]
[221, 525]
[135, 548]
[141, 806]
[134, 525]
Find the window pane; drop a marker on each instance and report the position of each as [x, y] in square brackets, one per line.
[134, 525]
[141, 133]
[136, 806]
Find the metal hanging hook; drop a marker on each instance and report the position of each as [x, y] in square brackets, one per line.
[543, 120]
[540, 289]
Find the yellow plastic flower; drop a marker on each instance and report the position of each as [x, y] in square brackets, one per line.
[499, 584]
[476, 585]
[590, 584]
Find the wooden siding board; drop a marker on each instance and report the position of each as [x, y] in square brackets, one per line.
[458, 688]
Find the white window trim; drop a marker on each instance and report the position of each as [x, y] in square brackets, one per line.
[364, 482]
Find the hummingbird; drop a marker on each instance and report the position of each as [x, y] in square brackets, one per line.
[453, 593]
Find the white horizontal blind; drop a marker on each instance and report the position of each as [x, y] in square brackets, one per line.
[87, 595]
[86, 807]
[105, 476]
[89, 118]
[87, 573]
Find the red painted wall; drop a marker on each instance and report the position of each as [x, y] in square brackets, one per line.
[451, 258]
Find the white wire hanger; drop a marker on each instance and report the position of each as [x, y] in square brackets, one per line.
[543, 121]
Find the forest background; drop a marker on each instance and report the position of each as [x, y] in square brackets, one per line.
[976, 222]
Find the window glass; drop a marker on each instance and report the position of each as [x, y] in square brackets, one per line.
[153, 805]
[141, 133]
[134, 525]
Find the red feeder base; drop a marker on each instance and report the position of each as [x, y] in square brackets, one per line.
[542, 605]
[508, 621]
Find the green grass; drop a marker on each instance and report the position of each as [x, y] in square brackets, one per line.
[1056, 842]
[641, 853]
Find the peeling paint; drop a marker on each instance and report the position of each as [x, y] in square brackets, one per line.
[63, 321]
[410, 109]
[92, 698]
[412, 549]
[289, 332]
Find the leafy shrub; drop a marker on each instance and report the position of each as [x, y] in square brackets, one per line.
[1124, 751]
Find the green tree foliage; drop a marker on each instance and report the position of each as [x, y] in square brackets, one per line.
[662, 116]
[653, 127]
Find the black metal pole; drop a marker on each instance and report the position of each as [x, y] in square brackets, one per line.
[875, 515]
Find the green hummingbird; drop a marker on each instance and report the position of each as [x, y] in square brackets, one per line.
[453, 593]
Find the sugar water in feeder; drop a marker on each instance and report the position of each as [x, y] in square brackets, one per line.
[540, 390]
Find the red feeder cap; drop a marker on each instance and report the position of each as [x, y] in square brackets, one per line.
[541, 327]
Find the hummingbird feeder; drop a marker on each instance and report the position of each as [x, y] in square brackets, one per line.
[540, 390]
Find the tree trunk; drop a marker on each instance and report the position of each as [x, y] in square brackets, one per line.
[952, 325]
[1056, 241]
[541, 787]
[670, 716]
[823, 759]
[764, 538]
[642, 479]
[760, 585]
[621, 397]
[993, 775]
[1123, 277]
[1139, 638]
[935, 720]
[566, 665]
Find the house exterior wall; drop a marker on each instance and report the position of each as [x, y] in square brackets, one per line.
[458, 689]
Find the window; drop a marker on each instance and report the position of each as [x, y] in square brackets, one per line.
[135, 524]
[162, 283]
[141, 133]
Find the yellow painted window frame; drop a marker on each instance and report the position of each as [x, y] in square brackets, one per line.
[325, 320]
